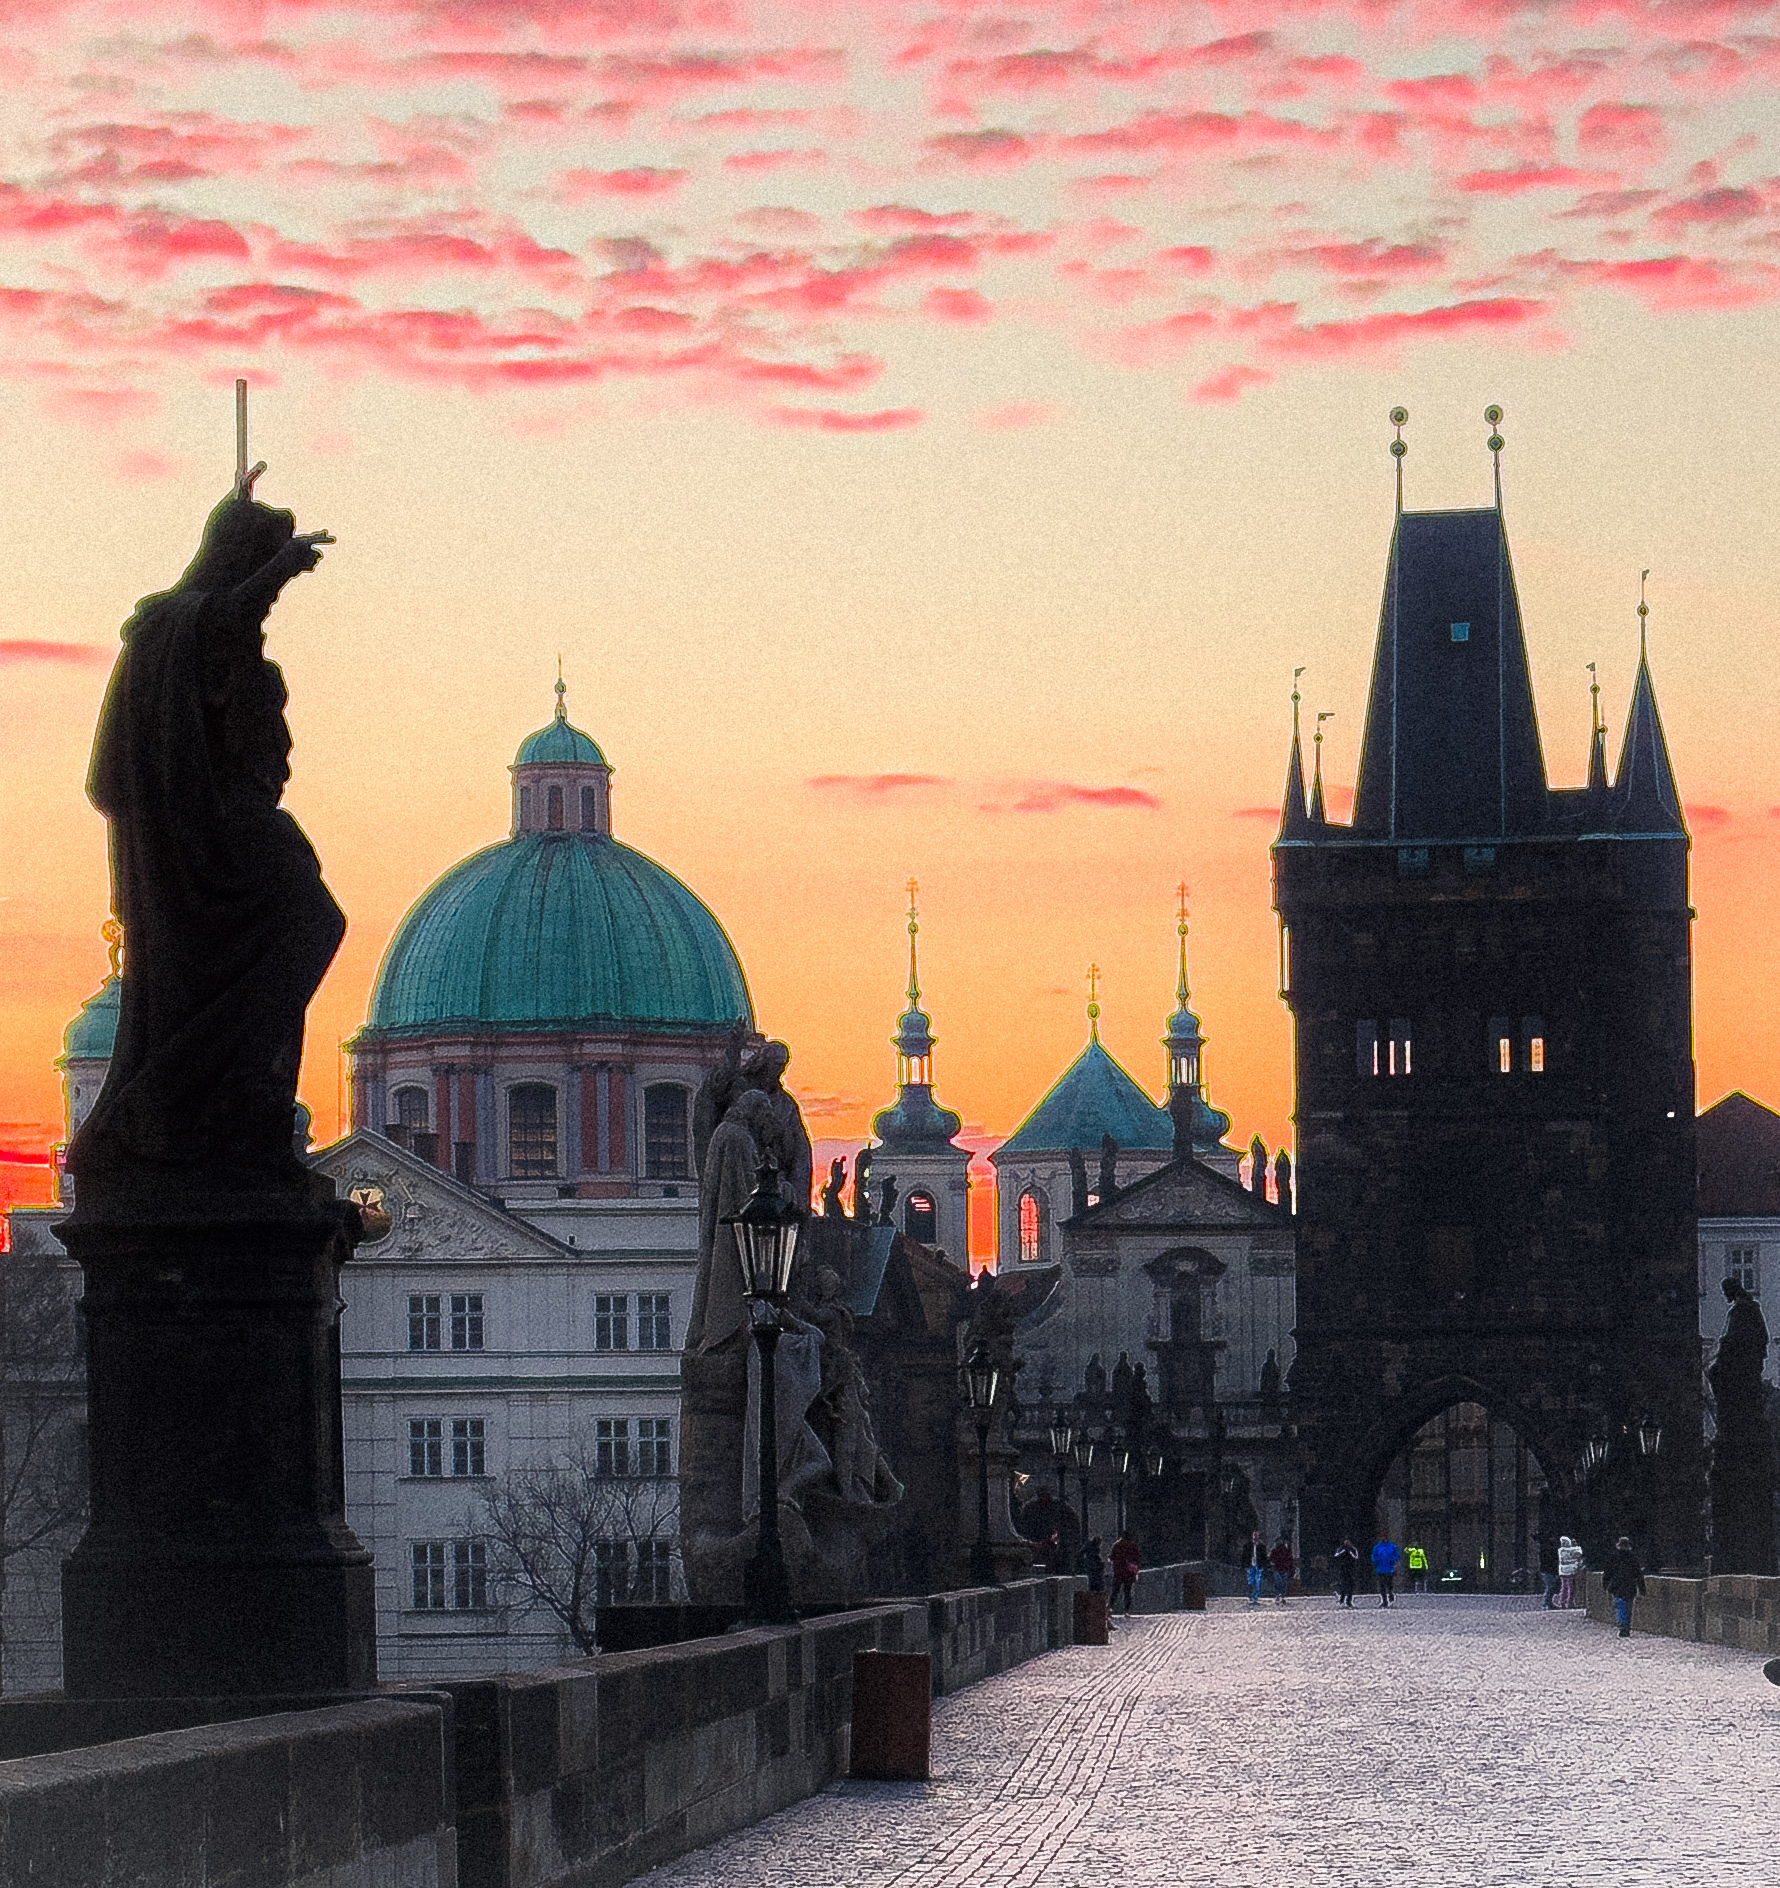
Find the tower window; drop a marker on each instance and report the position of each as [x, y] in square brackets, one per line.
[1461, 632]
[589, 809]
[531, 1131]
[1031, 1228]
[1743, 1263]
[1532, 1035]
[411, 1109]
[665, 1139]
[525, 809]
[611, 1322]
[920, 1217]
[553, 809]
[1367, 1060]
[1399, 1054]
[611, 1442]
[1501, 1046]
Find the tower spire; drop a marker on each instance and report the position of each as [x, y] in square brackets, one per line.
[1597, 735]
[1180, 989]
[1318, 814]
[1292, 817]
[1644, 787]
[914, 927]
[1643, 617]
[1493, 418]
[562, 693]
[1399, 449]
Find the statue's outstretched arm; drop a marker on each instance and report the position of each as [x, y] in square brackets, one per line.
[250, 600]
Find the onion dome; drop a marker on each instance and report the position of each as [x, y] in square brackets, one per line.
[915, 1124]
[560, 926]
[91, 1035]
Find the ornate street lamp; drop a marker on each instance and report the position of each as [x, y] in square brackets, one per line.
[982, 1378]
[1594, 1453]
[1121, 1461]
[1081, 1450]
[1155, 1462]
[766, 1232]
[1650, 1437]
[1062, 1440]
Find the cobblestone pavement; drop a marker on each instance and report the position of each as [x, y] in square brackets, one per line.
[1452, 1743]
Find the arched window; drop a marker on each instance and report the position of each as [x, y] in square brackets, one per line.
[531, 1131]
[525, 809]
[666, 1150]
[553, 815]
[410, 1106]
[589, 809]
[920, 1217]
[1031, 1226]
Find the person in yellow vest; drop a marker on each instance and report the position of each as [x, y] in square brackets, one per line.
[1418, 1567]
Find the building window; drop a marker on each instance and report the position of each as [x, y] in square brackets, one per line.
[525, 809]
[531, 1126]
[611, 1444]
[664, 1132]
[466, 1321]
[1367, 1060]
[920, 1217]
[1532, 1032]
[553, 809]
[652, 1321]
[426, 1446]
[1743, 1263]
[654, 1453]
[410, 1106]
[1412, 861]
[611, 1569]
[1501, 1046]
[1031, 1228]
[653, 1585]
[468, 1446]
[449, 1575]
[1461, 632]
[423, 1323]
[1399, 1059]
[589, 810]
[611, 1323]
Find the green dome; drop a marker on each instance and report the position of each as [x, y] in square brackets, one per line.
[560, 930]
[91, 1035]
[559, 744]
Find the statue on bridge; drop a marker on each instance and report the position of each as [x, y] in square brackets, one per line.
[1743, 1449]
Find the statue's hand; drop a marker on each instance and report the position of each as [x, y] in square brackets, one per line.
[304, 551]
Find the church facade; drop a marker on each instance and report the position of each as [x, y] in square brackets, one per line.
[1490, 985]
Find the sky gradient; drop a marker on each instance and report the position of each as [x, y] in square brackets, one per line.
[930, 435]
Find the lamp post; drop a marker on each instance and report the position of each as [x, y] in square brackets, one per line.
[982, 1377]
[1081, 1450]
[766, 1232]
[1062, 1438]
[1121, 1459]
[1650, 1442]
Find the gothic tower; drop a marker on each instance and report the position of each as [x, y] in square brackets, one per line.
[1490, 983]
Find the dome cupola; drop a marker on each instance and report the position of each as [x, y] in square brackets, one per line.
[916, 1120]
[562, 783]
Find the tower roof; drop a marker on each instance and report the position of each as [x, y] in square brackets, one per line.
[1293, 821]
[93, 1032]
[1645, 802]
[915, 1123]
[1451, 748]
[1094, 1096]
[558, 744]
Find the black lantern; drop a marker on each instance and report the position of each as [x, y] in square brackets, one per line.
[1062, 1436]
[1081, 1450]
[765, 1238]
[982, 1377]
[1650, 1436]
[1594, 1453]
[1231, 1479]
[1155, 1462]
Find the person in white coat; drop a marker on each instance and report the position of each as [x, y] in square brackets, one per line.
[1569, 1566]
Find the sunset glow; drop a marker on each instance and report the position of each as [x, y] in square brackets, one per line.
[929, 436]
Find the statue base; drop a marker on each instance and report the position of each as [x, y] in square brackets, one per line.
[218, 1560]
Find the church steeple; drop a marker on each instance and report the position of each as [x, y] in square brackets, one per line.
[1597, 739]
[915, 1122]
[1318, 816]
[1644, 797]
[562, 783]
[1198, 1127]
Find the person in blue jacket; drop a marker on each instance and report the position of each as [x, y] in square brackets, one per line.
[1385, 1555]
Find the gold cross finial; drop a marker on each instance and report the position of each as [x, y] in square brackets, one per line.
[1181, 913]
[562, 691]
[1594, 705]
[1643, 612]
[914, 926]
[1399, 419]
[1094, 1002]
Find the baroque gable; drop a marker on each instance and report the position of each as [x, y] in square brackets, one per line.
[432, 1215]
[1184, 1193]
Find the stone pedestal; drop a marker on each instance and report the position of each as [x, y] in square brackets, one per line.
[218, 1560]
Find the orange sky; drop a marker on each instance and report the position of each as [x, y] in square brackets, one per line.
[930, 441]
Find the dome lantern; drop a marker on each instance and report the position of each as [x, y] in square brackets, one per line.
[561, 780]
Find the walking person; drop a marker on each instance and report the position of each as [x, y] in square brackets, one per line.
[1418, 1567]
[1385, 1555]
[1624, 1579]
[1283, 1568]
[1254, 1566]
[1569, 1566]
[1548, 1569]
[1347, 1567]
[1126, 1560]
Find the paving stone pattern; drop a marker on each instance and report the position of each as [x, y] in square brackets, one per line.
[1456, 1743]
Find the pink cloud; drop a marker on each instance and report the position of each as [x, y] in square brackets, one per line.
[962, 305]
[1702, 815]
[1229, 384]
[1270, 814]
[984, 150]
[830, 420]
[868, 787]
[1611, 129]
[640, 180]
[1519, 178]
[1015, 416]
[100, 407]
[898, 219]
[1710, 207]
[72, 655]
[147, 465]
[756, 161]
[1054, 796]
[1371, 334]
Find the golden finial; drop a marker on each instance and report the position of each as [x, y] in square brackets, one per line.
[562, 691]
[1594, 703]
[113, 934]
[1399, 448]
[914, 926]
[1493, 419]
[1180, 988]
[1093, 1002]
[1643, 614]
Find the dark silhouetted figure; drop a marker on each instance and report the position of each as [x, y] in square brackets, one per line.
[831, 1193]
[1107, 1182]
[1743, 1451]
[1078, 1184]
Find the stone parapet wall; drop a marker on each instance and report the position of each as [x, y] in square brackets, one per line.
[1179, 1586]
[1731, 1609]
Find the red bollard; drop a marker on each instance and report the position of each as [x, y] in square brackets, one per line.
[892, 1716]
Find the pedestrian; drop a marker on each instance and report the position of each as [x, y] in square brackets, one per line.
[1418, 1567]
[1093, 1565]
[1254, 1566]
[1624, 1579]
[1125, 1562]
[1385, 1555]
[1548, 1569]
[1283, 1567]
[1569, 1566]
[1347, 1565]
